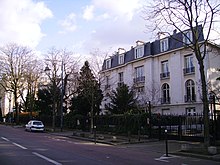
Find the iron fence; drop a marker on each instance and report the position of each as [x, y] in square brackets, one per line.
[184, 127]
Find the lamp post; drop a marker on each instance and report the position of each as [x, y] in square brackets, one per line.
[150, 118]
[212, 97]
[47, 70]
[61, 101]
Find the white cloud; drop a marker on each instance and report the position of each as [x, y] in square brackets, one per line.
[88, 12]
[119, 8]
[69, 23]
[20, 21]
[120, 24]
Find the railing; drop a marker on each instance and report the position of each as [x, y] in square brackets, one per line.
[139, 79]
[165, 75]
[190, 70]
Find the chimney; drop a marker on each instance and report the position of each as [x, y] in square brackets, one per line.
[160, 35]
[121, 50]
[138, 42]
[174, 32]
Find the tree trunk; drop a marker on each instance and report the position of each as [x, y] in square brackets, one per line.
[205, 105]
[54, 106]
[16, 108]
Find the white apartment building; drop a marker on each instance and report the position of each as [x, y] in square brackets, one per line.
[164, 72]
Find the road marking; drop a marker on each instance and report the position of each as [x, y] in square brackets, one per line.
[164, 158]
[24, 148]
[18, 145]
[5, 139]
[46, 158]
[161, 160]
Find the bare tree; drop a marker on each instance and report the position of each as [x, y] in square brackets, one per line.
[96, 61]
[32, 75]
[59, 63]
[151, 95]
[14, 63]
[189, 14]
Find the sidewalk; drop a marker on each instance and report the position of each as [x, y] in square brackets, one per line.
[182, 148]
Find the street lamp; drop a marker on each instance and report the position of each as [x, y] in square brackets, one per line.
[212, 97]
[150, 118]
[61, 101]
[47, 70]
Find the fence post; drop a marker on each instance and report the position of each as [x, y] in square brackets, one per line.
[95, 133]
[139, 135]
[159, 129]
[166, 142]
[180, 128]
[129, 136]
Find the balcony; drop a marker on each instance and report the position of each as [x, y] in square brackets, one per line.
[165, 75]
[189, 98]
[139, 79]
[165, 100]
[190, 70]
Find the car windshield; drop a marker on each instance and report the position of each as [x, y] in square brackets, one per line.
[37, 123]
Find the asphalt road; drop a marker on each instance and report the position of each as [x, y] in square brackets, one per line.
[18, 147]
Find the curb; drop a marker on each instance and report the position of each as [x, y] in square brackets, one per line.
[103, 141]
[207, 157]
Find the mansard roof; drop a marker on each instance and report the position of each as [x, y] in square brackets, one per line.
[175, 41]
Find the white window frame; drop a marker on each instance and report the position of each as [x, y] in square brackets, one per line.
[121, 77]
[121, 59]
[191, 111]
[139, 71]
[187, 37]
[164, 45]
[165, 93]
[190, 90]
[108, 63]
[139, 51]
[189, 61]
[165, 66]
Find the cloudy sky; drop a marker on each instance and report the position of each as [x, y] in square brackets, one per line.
[78, 25]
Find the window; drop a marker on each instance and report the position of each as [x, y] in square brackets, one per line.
[139, 52]
[121, 59]
[187, 37]
[190, 91]
[139, 74]
[108, 63]
[189, 67]
[165, 94]
[107, 86]
[165, 70]
[191, 111]
[120, 79]
[164, 45]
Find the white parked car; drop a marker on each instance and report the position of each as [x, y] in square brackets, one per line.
[34, 125]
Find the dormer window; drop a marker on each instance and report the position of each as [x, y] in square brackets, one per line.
[121, 59]
[108, 63]
[187, 37]
[164, 45]
[139, 52]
